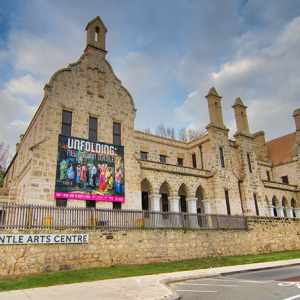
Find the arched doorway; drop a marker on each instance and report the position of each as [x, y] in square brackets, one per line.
[275, 204]
[164, 192]
[199, 196]
[182, 198]
[145, 194]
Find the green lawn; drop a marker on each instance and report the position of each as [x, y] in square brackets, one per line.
[55, 278]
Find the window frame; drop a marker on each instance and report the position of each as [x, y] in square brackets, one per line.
[66, 124]
[249, 163]
[222, 157]
[179, 161]
[93, 129]
[256, 204]
[194, 161]
[162, 159]
[143, 153]
[117, 134]
[227, 202]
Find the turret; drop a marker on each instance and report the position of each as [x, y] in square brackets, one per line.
[241, 118]
[96, 32]
[215, 110]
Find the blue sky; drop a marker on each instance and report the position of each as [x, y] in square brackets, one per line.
[167, 53]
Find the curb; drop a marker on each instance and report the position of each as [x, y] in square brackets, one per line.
[176, 296]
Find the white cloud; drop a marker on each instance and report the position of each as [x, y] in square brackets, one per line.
[14, 117]
[26, 86]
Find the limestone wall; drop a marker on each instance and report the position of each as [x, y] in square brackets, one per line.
[111, 248]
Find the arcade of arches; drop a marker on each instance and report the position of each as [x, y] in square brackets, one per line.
[167, 199]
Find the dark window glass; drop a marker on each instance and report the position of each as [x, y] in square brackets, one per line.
[162, 159]
[90, 204]
[285, 179]
[117, 134]
[227, 203]
[143, 155]
[61, 202]
[182, 203]
[194, 161]
[117, 205]
[249, 163]
[222, 158]
[268, 175]
[93, 129]
[256, 205]
[66, 123]
[180, 161]
[145, 202]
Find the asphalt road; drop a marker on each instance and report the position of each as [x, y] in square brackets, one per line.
[281, 284]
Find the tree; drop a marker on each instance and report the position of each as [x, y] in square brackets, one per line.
[5, 156]
[189, 134]
[165, 131]
[145, 130]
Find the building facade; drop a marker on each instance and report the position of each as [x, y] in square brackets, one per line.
[211, 174]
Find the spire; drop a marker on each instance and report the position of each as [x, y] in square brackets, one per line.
[241, 118]
[215, 109]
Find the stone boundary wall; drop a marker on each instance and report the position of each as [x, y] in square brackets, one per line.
[131, 247]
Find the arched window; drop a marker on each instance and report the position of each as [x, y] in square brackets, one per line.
[97, 31]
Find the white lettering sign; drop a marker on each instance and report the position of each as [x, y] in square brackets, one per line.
[17, 239]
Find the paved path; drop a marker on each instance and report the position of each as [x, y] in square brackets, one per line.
[143, 287]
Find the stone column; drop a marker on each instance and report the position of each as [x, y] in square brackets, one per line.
[279, 210]
[206, 204]
[271, 210]
[207, 211]
[192, 209]
[289, 212]
[174, 203]
[154, 202]
[174, 207]
[297, 212]
[192, 205]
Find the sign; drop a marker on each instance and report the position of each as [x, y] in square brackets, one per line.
[19, 239]
[89, 170]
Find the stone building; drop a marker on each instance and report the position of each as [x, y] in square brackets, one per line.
[211, 174]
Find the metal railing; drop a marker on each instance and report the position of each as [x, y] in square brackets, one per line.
[49, 217]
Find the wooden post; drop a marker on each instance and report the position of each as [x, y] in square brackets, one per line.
[29, 216]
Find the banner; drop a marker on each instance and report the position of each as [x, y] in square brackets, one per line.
[89, 170]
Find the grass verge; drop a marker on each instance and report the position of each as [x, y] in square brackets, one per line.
[66, 277]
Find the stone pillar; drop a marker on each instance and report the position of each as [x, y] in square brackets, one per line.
[271, 210]
[174, 203]
[174, 207]
[154, 202]
[192, 209]
[297, 212]
[192, 205]
[279, 210]
[207, 211]
[206, 204]
[289, 212]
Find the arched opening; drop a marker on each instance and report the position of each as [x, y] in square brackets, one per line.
[294, 205]
[182, 198]
[199, 196]
[97, 31]
[145, 194]
[275, 203]
[285, 204]
[164, 192]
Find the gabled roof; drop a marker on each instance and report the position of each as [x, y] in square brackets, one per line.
[280, 149]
